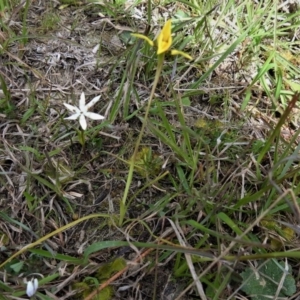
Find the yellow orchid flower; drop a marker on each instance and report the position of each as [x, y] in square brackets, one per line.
[164, 41]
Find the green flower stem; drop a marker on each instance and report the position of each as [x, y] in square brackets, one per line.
[123, 207]
[81, 136]
[81, 139]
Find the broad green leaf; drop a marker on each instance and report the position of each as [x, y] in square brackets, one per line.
[263, 282]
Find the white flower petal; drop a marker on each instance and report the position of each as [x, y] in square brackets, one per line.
[82, 122]
[73, 117]
[35, 283]
[29, 289]
[32, 287]
[83, 112]
[92, 102]
[71, 108]
[82, 102]
[94, 116]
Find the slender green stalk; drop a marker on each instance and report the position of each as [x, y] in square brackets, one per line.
[81, 136]
[49, 235]
[123, 206]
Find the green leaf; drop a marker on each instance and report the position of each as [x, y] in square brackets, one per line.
[186, 101]
[227, 220]
[102, 245]
[43, 297]
[5, 288]
[263, 282]
[27, 115]
[17, 267]
[293, 85]
[108, 269]
[181, 15]
[58, 256]
[32, 150]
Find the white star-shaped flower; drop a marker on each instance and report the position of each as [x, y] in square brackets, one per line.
[82, 112]
[32, 287]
